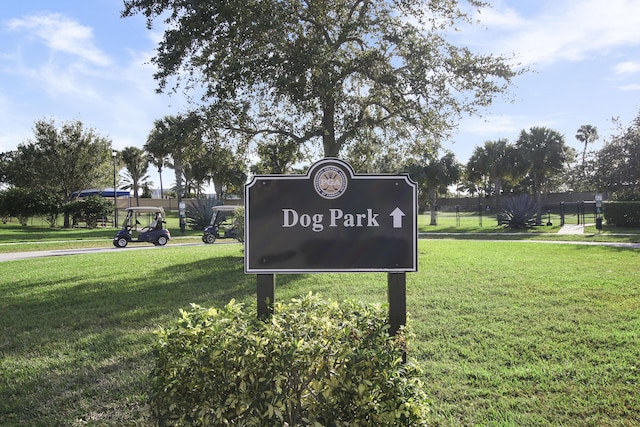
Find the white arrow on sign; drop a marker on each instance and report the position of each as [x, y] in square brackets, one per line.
[397, 215]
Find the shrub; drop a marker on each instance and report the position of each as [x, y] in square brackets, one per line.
[622, 214]
[311, 363]
[519, 212]
[90, 209]
[238, 223]
[24, 203]
[199, 213]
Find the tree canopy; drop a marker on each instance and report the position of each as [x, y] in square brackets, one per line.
[492, 164]
[59, 160]
[324, 71]
[617, 164]
[544, 154]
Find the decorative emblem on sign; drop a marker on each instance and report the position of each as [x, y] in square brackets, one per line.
[330, 182]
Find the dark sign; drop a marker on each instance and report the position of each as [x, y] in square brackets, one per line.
[330, 220]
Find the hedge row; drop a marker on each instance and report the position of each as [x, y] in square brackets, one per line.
[622, 214]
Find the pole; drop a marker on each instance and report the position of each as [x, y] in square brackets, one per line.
[266, 294]
[114, 154]
[397, 289]
[397, 295]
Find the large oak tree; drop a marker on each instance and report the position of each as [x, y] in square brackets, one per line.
[324, 70]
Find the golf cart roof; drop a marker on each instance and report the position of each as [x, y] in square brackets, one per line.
[146, 209]
[225, 208]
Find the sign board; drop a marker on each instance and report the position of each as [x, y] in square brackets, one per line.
[330, 220]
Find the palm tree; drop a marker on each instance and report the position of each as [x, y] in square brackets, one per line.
[493, 164]
[176, 137]
[434, 175]
[192, 184]
[545, 154]
[160, 161]
[136, 163]
[586, 134]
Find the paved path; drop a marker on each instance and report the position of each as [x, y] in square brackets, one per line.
[571, 229]
[12, 256]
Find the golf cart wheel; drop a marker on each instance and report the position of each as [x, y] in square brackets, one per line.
[161, 241]
[121, 242]
[209, 238]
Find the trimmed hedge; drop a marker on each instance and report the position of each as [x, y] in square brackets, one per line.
[622, 214]
[313, 363]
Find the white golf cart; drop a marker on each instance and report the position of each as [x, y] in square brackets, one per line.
[134, 232]
[221, 226]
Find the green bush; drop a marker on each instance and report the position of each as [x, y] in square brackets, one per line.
[312, 363]
[622, 214]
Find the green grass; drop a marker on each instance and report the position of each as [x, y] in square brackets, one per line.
[469, 225]
[508, 333]
[38, 236]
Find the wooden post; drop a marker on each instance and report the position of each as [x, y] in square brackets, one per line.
[266, 294]
[397, 295]
[397, 290]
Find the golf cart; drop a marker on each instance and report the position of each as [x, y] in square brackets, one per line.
[153, 232]
[221, 226]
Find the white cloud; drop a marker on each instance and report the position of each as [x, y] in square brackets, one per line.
[567, 30]
[502, 18]
[491, 125]
[55, 54]
[627, 67]
[62, 34]
[630, 88]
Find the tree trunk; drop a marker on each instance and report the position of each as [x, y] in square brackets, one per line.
[177, 166]
[136, 192]
[329, 144]
[219, 191]
[433, 196]
[161, 189]
[498, 186]
[539, 207]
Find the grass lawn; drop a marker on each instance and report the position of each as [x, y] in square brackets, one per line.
[38, 236]
[508, 333]
[469, 225]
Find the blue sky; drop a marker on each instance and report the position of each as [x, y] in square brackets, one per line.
[77, 59]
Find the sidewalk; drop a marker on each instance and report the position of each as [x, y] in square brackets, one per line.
[571, 229]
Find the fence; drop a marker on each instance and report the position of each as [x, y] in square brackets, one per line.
[568, 212]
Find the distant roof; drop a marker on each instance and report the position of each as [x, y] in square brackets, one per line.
[145, 209]
[104, 192]
[225, 208]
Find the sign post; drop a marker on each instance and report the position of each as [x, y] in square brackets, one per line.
[331, 220]
[599, 211]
